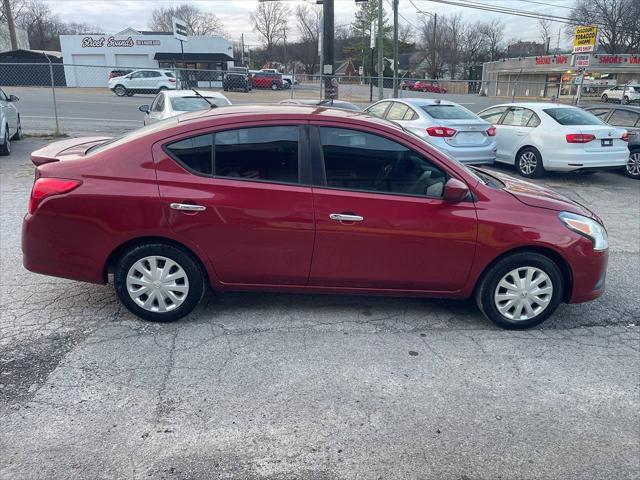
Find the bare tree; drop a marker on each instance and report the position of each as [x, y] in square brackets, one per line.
[617, 22]
[270, 20]
[453, 31]
[493, 33]
[545, 27]
[474, 46]
[198, 21]
[18, 8]
[308, 25]
[405, 33]
[42, 26]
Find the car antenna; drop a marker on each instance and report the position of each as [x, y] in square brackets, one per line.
[211, 105]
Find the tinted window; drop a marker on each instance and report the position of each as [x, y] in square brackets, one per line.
[448, 112]
[600, 112]
[624, 118]
[518, 117]
[572, 116]
[397, 111]
[158, 105]
[169, 74]
[356, 160]
[153, 74]
[191, 104]
[193, 153]
[378, 109]
[492, 115]
[261, 153]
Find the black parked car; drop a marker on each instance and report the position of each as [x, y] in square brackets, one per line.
[237, 78]
[627, 117]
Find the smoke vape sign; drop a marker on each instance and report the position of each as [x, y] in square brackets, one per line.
[179, 29]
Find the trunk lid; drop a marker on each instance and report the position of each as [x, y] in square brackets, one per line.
[470, 133]
[608, 139]
[65, 149]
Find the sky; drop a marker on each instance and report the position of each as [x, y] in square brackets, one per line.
[115, 15]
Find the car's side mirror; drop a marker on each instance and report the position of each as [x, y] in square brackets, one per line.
[144, 108]
[13, 98]
[455, 190]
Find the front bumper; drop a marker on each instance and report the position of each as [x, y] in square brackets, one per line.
[589, 269]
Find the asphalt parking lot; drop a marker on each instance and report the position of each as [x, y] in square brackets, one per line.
[273, 386]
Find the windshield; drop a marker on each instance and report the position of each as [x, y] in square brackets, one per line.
[125, 137]
[191, 104]
[449, 112]
[573, 116]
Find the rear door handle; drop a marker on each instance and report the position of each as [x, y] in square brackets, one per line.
[343, 217]
[188, 207]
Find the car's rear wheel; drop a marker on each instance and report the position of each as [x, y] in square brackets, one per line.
[625, 100]
[274, 86]
[520, 291]
[18, 134]
[5, 148]
[605, 98]
[120, 90]
[159, 282]
[632, 169]
[529, 163]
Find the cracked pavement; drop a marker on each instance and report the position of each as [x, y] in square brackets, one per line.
[273, 386]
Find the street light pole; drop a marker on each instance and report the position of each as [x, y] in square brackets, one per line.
[395, 48]
[380, 51]
[433, 46]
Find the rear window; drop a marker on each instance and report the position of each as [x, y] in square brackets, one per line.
[169, 74]
[448, 112]
[192, 104]
[572, 116]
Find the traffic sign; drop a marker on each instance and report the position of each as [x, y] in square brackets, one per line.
[179, 29]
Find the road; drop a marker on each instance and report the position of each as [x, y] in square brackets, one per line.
[83, 111]
[273, 386]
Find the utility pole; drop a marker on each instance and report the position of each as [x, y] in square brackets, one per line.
[380, 51]
[11, 24]
[242, 54]
[395, 48]
[330, 91]
[372, 44]
[433, 54]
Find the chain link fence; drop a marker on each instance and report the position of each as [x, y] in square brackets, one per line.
[60, 97]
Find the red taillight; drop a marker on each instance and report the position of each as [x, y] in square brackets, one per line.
[625, 137]
[172, 80]
[46, 187]
[441, 131]
[580, 137]
[491, 131]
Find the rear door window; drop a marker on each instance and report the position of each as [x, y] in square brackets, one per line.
[601, 113]
[397, 111]
[520, 117]
[194, 153]
[624, 118]
[258, 153]
[378, 109]
[492, 115]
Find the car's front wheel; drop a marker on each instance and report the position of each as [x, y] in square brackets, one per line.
[120, 90]
[520, 290]
[632, 169]
[605, 98]
[18, 134]
[529, 163]
[625, 100]
[159, 282]
[274, 86]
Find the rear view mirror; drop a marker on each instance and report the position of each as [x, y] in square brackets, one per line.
[13, 98]
[455, 190]
[144, 108]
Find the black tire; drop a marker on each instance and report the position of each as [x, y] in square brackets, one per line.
[605, 98]
[190, 266]
[488, 287]
[274, 86]
[246, 89]
[5, 148]
[18, 135]
[632, 168]
[529, 163]
[625, 100]
[120, 90]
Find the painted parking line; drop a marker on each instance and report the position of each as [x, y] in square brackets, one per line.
[84, 119]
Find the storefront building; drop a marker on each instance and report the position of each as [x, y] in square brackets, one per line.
[555, 76]
[88, 59]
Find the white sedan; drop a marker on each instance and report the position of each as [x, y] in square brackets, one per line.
[549, 136]
[170, 103]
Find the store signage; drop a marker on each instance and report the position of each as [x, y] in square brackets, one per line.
[113, 42]
[581, 60]
[179, 29]
[553, 59]
[584, 39]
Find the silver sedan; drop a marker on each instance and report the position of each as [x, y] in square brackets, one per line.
[170, 103]
[447, 126]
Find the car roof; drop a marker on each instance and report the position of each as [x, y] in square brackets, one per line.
[532, 105]
[191, 93]
[312, 101]
[421, 102]
[629, 108]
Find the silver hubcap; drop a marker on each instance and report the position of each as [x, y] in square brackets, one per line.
[633, 165]
[523, 293]
[528, 162]
[157, 284]
[120, 90]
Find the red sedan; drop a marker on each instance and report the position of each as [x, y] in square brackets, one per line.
[303, 199]
[428, 86]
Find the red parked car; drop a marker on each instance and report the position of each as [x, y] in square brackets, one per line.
[407, 84]
[267, 80]
[428, 86]
[303, 199]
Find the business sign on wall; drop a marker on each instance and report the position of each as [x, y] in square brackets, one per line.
[581, 60]
[584, 39]
[552, 60]
[113, 42]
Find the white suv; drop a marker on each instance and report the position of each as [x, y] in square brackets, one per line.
[143, 81]
[622, 93]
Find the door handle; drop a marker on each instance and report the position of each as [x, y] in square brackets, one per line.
[520, 132]
[187, 207]
[343, 217]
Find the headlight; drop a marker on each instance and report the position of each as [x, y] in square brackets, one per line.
[587, 227]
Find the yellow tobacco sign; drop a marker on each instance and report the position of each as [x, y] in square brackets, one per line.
[584, 40]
